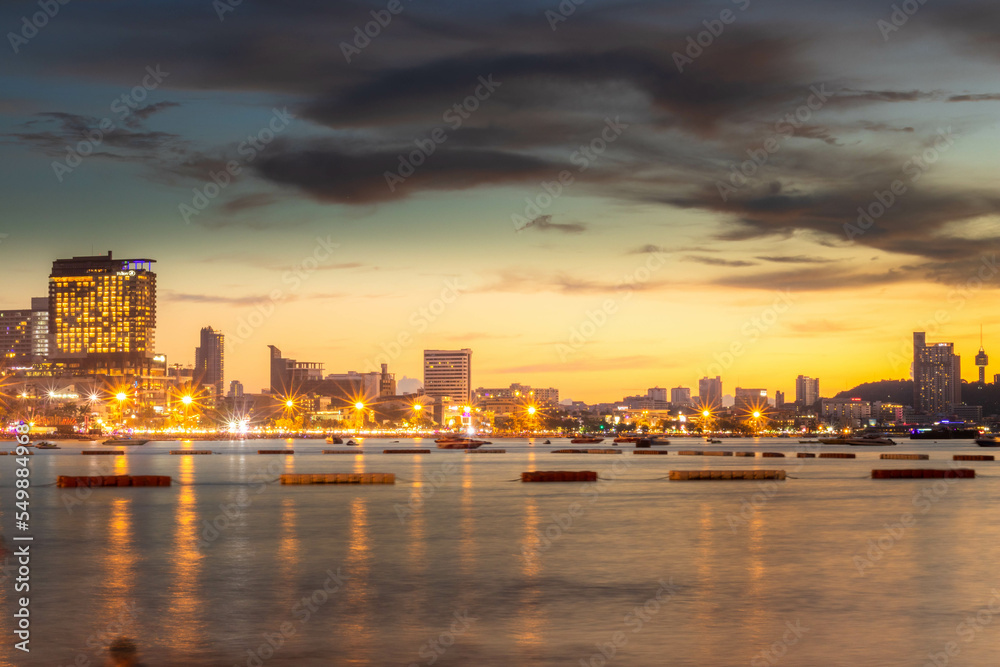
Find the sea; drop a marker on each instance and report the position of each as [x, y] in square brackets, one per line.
[460, 563]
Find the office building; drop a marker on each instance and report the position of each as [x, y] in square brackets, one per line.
[982, 361]
[779, 399]
[289, 375]
[937, 381]
[209, 360]
[748, 400]
[806, 391]
[516, 397]
[102, 312]
[846, 412]
[448, 373]
[40, 337]
[679, 396]
[657, 394]
[710, 392]
[15, 337]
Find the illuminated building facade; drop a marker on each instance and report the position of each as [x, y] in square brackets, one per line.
[749, 399]
[710, 391]
[937, 384]
[448, 373]
[806, 391]
[102, 312]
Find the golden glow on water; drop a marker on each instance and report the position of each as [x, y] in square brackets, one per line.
[288, 548]
[119, 560]
[183, 622]
[528, 624]
[359, 463]
[357, 592]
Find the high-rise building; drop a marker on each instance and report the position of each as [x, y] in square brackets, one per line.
[658, 394]
[387, 382]
[710, 391]
[937, 383]
[981, 359]
[235, 389]
[209, 360]
[102, 312]
[679, 396]
[779, 399]
[15, 337]
[289, 376]
[448, 373]
[806, 391]
[40, 338]
[750, 399]
[516, 397]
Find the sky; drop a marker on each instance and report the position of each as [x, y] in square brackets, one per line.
[600, 197]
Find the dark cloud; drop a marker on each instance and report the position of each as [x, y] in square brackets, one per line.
[544, 223]
[797, 259]
[715, 261]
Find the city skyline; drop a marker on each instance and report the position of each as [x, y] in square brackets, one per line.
[620, 209]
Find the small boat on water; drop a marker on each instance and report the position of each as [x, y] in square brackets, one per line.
[124, 441]
[351, 443]
[460, 443]
[808, 442]
[46, 445]
[626, 439]
[334, 440]
[987, 440]
[833, 441]
[870, 440]
[586, 441]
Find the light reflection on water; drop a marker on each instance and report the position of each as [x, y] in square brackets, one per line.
[461, 548]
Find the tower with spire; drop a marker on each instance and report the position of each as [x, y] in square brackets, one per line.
[981, 359]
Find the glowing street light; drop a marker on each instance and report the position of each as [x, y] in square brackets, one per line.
[187, 399]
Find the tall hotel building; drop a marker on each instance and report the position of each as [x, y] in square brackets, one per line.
[102, 313]
[209, 360]
[937, 379]
[448, 373]
[806, 391]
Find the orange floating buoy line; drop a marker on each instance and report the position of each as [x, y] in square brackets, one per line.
[773, 454]
[341, 478]
[689, 452]
[744, 453]
[486, 451]
[661, 452]
[275, 451]
[559, 476]
[587, 451]
[906, 457]
[805, 455]
[717, 453]
[102, 452]
[185, 452]
[973, 457]
[14, 453]
[69, 482]
[406, 451]
[688, 475]
[924, 473]
[837, 455]
[342, 451]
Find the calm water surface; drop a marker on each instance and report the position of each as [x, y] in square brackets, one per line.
[457, 564]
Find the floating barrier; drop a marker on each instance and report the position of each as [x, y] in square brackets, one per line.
[837, 455]
[773, 454]
[906, 457]
[744, 453]
[185, 452]
[102, 452]
[406, 451]
[341, 478]
[68, 482]
[486, 451]
[973, 457]
[586, 451]
[661, 452]
[805, 455]
[924, 473]
[14, 453]
[342, 451]
[687, 475]
[275, 451]
[689, 452]
[716, 453]
[559, 476]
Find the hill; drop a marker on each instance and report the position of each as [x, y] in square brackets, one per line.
[901, 391]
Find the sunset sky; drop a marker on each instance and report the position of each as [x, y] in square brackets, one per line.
[649, 266]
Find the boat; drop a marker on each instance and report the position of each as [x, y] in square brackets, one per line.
[833, 441]
[46, 445]
[944, 434]
[987, 440]
[351, 443]
[626, 439]
[715, 442]
[808, 442]
[124, 441]
[547, 442]
[586, 441]
[870, 441]
[460, 443]
[334, 440]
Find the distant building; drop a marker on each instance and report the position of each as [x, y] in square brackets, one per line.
[209, 360]
[235, 389]
[102, 312]
[41, 340]
[15, 338]
[982, 360]
[937, 383]
[968, 413]
[507, 400]
[806, 391]
[779, 399]
[710, 391]
[288, 375]
[749, 399]
[679, 396]
[657, 394]
[846, 412]
[448, 373]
